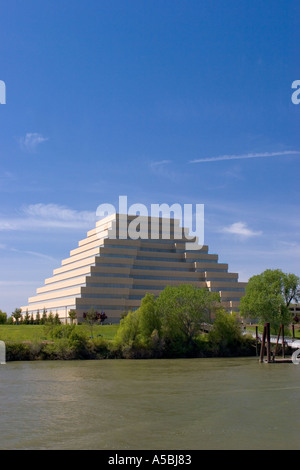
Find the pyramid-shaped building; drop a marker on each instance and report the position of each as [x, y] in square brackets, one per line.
[112, 272]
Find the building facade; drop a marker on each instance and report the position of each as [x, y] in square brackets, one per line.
[112, 272]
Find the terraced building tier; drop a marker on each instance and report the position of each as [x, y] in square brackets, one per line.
[112, 272]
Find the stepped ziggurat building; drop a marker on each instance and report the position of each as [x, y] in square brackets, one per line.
[113, 273]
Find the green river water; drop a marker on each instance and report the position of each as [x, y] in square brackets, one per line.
[189, 404]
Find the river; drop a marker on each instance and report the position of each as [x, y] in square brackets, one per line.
[189, 404]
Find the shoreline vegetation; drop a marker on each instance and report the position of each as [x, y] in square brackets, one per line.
[73, 342]
[182, 322]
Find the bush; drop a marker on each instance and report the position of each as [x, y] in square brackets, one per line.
[226, 337]
[25, 351]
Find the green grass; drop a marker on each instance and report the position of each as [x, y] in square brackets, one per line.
[287, 332]
[39, 332]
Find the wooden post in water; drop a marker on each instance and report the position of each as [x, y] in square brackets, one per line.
[268, 342]
[262, 346]
[293, 332]
[265, 338]
[256, 342]
[283, 348]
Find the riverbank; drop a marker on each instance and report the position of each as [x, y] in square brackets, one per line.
[81, 347]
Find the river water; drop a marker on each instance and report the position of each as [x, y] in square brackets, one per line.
[180, 404]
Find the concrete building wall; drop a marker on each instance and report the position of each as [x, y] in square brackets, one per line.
[114, 274]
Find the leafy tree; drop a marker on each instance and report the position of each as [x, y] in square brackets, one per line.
[268, 296]
[26, 319]
[50, 318]
[56, 320]
[10, 320]
[37, 318]
[226, 333]
[184, 310]
[17, 315]
[44, 317]
[149, 318]
[3, 317]
[128, 331]
[72, 315]
[103, 317]
[92, 317]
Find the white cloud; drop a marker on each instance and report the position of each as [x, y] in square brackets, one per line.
[241, 229]
[39, 216]
[34, 253]
[159, 163]
[248, 155]
[31, 141]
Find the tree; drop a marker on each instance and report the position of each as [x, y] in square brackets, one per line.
[3, 317]
[37, 318]
[93, 317]
[17, 315]
[72, 315]
[149, 318]
[26, 319]
[50, 318]
[226, 333]
[268, 296]
[44, 317]
[184, 310]
[128, 331]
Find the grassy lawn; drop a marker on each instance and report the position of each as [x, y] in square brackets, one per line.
[39, 332]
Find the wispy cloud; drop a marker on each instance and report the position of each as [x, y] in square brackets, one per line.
[31, 141]
[34, 253]
[39, 216]
[159, 163]
[162, 168]
[245, 156]
[241, 229]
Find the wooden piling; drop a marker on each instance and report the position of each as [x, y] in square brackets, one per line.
[262, 346]
[265, 339]
[283, 347]
[256, 340]
[268, 342]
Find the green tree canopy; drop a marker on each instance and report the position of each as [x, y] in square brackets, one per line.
[92, 317]
[128, 331]
[3, 317]
[72, 315]
[268, 296]
[226, 332]
[17, 314]
[184, 310]
[149, 318]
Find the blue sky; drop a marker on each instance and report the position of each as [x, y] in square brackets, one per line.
[164, 101]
